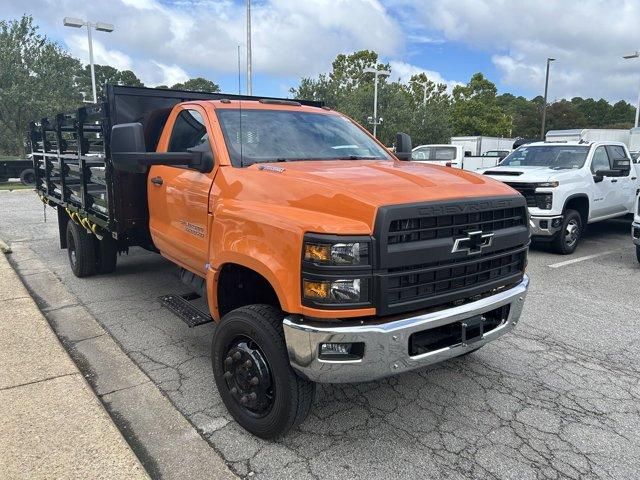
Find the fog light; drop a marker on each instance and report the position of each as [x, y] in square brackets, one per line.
[556, 222]
[341, 351]
[544, 224]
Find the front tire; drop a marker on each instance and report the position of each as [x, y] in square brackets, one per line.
[253, 375]
[569, 235]
[81, 250]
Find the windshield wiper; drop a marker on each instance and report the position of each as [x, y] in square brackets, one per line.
[355, 157]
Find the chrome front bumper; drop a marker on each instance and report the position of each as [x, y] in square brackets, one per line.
[386, 349]
[543, 226]
[635, 232]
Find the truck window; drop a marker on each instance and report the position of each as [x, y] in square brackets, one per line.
[558, 157]
[258, 136]
[616, 152]
[445, 153]
[600, 160]
[421, 153]
[189, 130]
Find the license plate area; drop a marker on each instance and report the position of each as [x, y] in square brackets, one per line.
[465, 332]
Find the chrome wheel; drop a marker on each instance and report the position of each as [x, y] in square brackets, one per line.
[572, 232]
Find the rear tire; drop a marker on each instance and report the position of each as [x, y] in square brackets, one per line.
[81, 250]
[253, 375]
[106, 255]
[569, 235]
[638, 252]
[28, 177]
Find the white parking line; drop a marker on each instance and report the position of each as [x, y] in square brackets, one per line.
[579, 259]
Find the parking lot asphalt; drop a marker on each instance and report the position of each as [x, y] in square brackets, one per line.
[557, 398]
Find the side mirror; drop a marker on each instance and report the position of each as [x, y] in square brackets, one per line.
[403, 146]
[129, 154]
[598, 177]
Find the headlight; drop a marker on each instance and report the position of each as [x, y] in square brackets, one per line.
[544, 201]
[553, 184]
[336, 253]
[334, 291]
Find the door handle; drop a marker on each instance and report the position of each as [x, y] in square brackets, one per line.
[633, 178]
[157, 181]
[613, 180]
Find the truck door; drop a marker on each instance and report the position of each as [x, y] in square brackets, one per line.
[179, 196]
[606, 197]
[626, 183]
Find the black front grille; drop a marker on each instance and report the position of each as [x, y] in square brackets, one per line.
[417, 266]
[449, 279]
[527, 190]
[445, 226]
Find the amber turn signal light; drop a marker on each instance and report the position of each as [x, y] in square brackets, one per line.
[315, 289]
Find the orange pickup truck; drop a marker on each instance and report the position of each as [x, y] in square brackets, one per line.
[321, 256]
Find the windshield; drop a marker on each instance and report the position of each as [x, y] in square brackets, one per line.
[285, 135]
[559, 157]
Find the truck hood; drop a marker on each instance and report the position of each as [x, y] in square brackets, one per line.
[524, 174]
[353, 189]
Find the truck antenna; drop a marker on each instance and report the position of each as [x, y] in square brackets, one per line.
[240, 103]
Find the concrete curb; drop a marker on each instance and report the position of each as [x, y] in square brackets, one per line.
[162, 438]
[52, 425]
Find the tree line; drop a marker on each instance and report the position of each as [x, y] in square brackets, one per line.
[38, 78]
[434, 117]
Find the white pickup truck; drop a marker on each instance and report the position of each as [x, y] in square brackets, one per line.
[635, 228]
[455, 156]
[570, 184]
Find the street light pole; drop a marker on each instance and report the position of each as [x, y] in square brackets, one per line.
[424, 87]
[627, 57]
[376, 73]
[249, 59]
[544, 106]
[101, 27]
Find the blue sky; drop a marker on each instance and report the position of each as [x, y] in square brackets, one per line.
[166, 41]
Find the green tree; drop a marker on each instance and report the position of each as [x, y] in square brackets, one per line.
[37, 78]
[198, 84]
[105, 74]
[476, 111]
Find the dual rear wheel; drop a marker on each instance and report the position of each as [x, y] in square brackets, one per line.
[87, 254]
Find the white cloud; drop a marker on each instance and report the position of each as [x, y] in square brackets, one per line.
[169, 74]
[404, 71]
[79, 47]
[587, 37]
[291, 38]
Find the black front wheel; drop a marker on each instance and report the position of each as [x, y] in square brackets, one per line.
[568, 237]
[253, 375]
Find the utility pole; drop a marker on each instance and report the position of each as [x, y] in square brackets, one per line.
[249, 69]
[101, 27]
[544, 106]
[424, 87]
[375, 121]
[627, 57]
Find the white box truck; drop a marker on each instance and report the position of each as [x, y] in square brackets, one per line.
[479, 145]
[590, 135]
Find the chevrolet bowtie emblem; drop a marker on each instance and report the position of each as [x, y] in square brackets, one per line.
[473, 243]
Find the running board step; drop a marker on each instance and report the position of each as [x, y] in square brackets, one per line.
[183, 308]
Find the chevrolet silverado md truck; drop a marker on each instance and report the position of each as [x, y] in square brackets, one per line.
[569, 185]
[322, 257]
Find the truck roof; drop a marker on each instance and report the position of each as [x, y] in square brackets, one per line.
[573, 143]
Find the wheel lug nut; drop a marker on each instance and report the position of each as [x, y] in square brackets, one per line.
[234, 390]
[227, 375]
[248, 363]
[244, 400]
[252, 396]
[237, 356]
[228, 361]
[254, 381]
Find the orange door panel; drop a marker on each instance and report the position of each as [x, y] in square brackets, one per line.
[178, 206]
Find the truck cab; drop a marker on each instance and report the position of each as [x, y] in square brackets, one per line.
[322, 256]
[570, 184]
